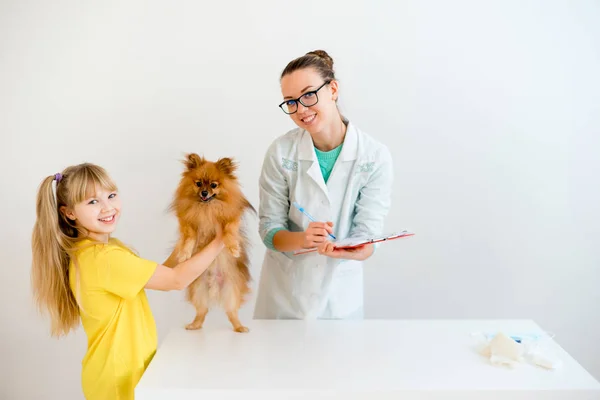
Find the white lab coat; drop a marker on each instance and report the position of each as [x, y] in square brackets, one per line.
[356, 199]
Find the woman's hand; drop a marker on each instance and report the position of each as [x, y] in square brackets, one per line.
[359, 253]
[316, 234]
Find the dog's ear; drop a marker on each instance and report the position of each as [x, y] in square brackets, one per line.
[227, 165]
[193, 160]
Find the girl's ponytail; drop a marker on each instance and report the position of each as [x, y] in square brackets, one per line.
[50, 262]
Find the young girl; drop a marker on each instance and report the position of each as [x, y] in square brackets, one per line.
[80, 272]
[336, 172]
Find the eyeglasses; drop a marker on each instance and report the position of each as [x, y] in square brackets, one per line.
[308, 99]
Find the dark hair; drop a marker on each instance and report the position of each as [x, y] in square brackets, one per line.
[317, 59]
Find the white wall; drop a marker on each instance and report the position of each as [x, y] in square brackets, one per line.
[491, 109]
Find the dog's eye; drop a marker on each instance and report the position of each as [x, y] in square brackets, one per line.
[213, 185]
[198, 184]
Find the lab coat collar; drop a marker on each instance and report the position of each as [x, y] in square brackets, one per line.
[307, 152]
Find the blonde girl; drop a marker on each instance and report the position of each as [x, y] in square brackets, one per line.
[79, 273]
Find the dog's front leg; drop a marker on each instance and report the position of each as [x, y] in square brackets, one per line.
[186, 245]
[172, 260]
[231, 238]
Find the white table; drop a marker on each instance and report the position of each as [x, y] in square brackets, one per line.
[370, 359]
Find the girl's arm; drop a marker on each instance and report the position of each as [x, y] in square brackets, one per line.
[180, 276]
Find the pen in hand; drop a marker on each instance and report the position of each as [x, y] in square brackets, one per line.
[303, 211]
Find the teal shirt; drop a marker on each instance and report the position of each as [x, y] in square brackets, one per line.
[327, 160]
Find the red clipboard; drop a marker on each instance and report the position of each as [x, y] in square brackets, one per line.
[357, 242]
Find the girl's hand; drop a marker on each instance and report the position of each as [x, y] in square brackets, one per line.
[316, 233]
[359, 253]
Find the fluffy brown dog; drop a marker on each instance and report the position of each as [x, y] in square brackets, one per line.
[209, 194]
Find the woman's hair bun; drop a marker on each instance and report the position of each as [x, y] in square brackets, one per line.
[323, 55]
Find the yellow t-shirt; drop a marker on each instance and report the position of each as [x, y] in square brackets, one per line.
[108, 283]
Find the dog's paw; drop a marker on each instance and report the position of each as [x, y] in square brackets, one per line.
[192, 326]
[187, 251]
[241, 329]
[184, 256]
[235, 250]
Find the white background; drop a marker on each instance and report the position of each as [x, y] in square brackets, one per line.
[491, 111]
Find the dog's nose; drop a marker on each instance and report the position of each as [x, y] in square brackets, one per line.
[204, 193]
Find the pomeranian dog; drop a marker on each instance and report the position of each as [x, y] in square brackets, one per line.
[209, 194]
